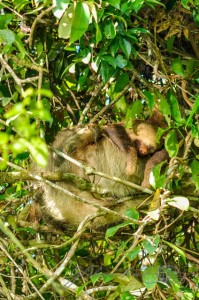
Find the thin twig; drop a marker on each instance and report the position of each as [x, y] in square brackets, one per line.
[21, 271]
[46, 272]
[39, 17]
[68, 256]
[105, 108]
[136, 235]
[18, 81]
[88, 105]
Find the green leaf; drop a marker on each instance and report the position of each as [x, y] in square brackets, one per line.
[18, 108]
[196, 15]
[127, 296]
[121, 105]
[82, 79]
[19, 146]
[134, 253]
[150, 97]
[132, 213]
[114, 47]
[156, 179]
[112, 231]
[185, 4]
[115, 3]
[136, 5]
[105, 277]
[120, 278]
[120, 61]
[60, 8]
[105, 71]
[176, 249]
[38, 150]
[80, 21]
[4, 138]
[98, 33]
[121, 82]
[150, 276]
[7, 36]
[195, 172]
[194, 110]
[133, 111]
[125, 46]
[154, 2]
[110, 60]
[151, 244]
[179, 202]
[109, 30]
[170, 44]
[41, 113]
[173, 279]
[132, 285]
[165, 109]
[177, 66]
[65, 24]
[171, 143]
[175, 110]
[138, 30]
[5, 20]
[18, 43]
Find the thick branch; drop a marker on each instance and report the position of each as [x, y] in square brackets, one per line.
[79, 182]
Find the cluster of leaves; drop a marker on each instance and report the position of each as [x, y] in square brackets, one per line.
[66, 62]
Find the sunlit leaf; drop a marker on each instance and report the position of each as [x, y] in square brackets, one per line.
[60, 8]
[18, 108]
[179, 202]
[4, 138]
[98, 34]
[38, 151]
[7, 36]
[80, 21]
[115, 3]
[154, 214]
[65, 24]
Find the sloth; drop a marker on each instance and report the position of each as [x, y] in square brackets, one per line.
[129, 154]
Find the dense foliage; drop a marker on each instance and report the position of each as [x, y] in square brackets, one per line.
[72, 62]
